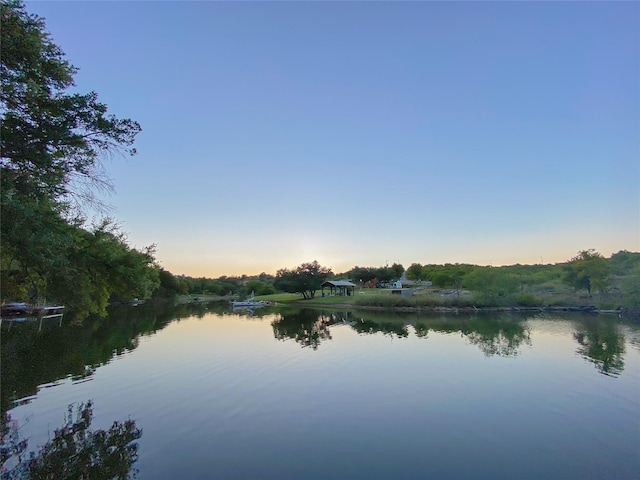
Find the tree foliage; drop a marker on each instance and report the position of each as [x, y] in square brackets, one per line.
[258, 288]
[587, 270]
[81, 268]
[624, 262]
[52, 143]
[630, 287]
[383, 274]
[363, 274]
[305, 279]
[415, 272]
[492, 287]
[441, 276]
[398, 269]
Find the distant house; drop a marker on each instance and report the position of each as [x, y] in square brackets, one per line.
[339, 287]
[406, 287]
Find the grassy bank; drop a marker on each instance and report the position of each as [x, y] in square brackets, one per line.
[542, 297]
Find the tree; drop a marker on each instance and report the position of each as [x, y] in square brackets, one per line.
[77, 267]
[415, 272]
[51, 144]
[100, 264]
[587, 270]
[630, 287]
[305, 279]
[51, 141]
[258, 288]
[624, 262]
[447, 275]
[492, 286]
[398, 269]
[385, 274]
[362, 274]
[170, 286]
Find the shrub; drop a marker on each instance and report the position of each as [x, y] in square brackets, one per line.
[389, 301]
[524, 300]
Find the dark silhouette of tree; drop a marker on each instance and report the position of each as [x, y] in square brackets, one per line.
[52, 140]
[305, 279]
[362, 274]
[398, 269]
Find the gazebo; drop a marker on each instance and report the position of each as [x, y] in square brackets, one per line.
[339, 287]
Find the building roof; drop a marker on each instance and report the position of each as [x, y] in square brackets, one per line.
[339, 283]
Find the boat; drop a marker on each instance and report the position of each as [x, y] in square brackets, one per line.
[250, 302]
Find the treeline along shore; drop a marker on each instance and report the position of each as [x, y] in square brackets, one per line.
[587, 282]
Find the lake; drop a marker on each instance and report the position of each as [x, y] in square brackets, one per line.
[316, 394]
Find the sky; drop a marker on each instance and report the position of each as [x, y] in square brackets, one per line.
[366, 133]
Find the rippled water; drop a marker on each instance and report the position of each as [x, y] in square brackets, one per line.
[311, 394]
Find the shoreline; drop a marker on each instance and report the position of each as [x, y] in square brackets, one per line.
[629, 313]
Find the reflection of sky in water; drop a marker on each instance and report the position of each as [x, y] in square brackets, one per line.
[219, 396]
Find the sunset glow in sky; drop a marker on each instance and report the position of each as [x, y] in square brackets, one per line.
[361, 133]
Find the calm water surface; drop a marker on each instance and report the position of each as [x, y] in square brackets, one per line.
[321, 394]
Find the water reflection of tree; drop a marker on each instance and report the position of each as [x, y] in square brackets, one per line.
[393, 328]
[422, 330]
[505, 342]
[30, 357]
[307, 327]
[494, 335]
[502, 336]
[74, 452]
[602, 344]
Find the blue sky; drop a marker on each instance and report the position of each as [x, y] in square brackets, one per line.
[361, 133]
